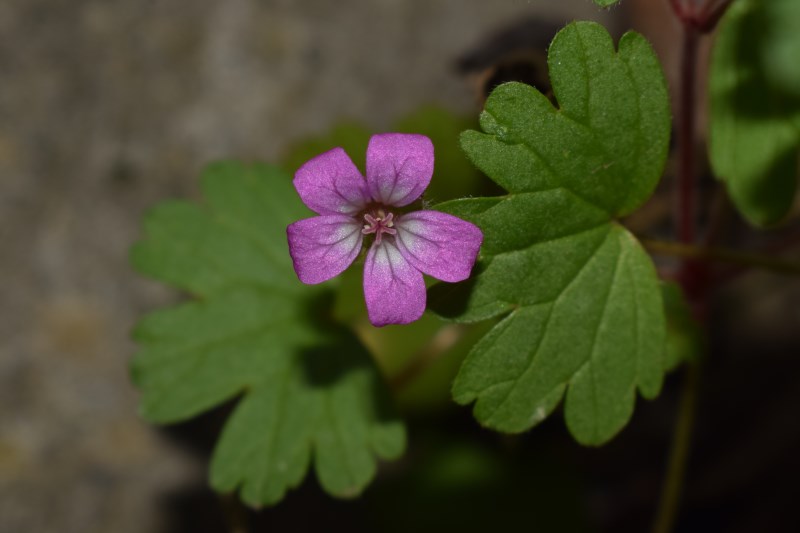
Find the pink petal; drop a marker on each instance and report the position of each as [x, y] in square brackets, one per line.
[394, 290]
[331, 184]
[323, 247]
[399, 167]
[438, 244]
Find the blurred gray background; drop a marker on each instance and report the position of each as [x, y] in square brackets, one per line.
[109, 106]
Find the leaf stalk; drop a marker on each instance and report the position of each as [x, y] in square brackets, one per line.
[679, 452]
[722, 255]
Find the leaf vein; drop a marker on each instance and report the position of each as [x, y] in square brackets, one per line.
[533, 353]
[589, 362]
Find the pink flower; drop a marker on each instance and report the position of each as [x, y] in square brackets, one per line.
[403, 245]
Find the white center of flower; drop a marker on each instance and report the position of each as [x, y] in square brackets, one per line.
[379, 222]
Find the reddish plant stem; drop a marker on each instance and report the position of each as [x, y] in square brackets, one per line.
[697, 18]
[679, 9]
[686, 229]
[692, 275]
[711, 15]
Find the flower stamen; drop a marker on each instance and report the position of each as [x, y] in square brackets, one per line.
[379, 223]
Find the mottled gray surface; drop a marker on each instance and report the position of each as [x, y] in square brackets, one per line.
[107, 107]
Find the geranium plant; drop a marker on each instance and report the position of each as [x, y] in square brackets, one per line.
[547, 296]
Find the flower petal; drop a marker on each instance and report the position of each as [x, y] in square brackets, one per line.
[399, 167]
[438, 244]
[323, 247]
[394, 290]
[331, 184]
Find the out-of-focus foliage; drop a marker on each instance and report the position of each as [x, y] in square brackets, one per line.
[454, 176]
[308, 389]
[780, 52]
[685, 339]
[458, 484]
[754, 91]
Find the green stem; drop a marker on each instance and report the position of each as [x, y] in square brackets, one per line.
[679, 453]
[442, 341]
[722, 255]
[235, 513]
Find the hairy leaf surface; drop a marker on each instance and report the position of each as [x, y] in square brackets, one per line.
[581, 302]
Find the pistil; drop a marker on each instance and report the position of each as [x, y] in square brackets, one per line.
[379, 223]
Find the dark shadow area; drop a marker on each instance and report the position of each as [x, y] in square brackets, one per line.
[450, 300]
[325, 365]
[456, 475]
[318, 309]
[514, 53]
[199, 434]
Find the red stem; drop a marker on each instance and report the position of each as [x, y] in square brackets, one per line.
[686, 179]
[711, 14]
[680, 9]
[695, 21]
[693, 274]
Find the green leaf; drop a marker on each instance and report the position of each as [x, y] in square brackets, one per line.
[754, 133]
[685, 338]
[781, 44]
[605, 3]
[307, 388]
[582, 303]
